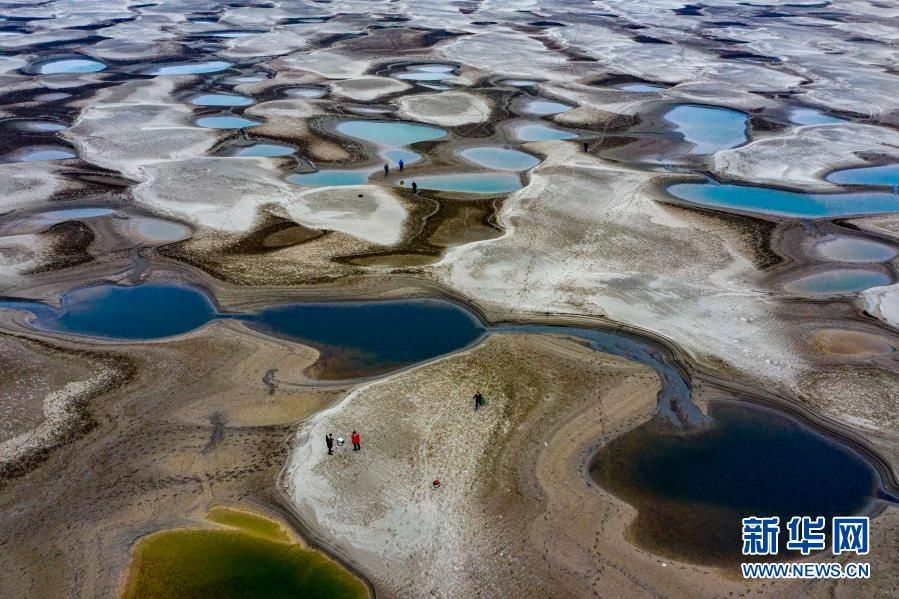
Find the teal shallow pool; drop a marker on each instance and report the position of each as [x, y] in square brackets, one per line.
[779, 202]
[389, 133]
[226, 122]
[500, 158]
[264, 150]
[709, 128]
[471, 182]
[330, 177]
[838, 282]
[540, 132]
[221, 100]
[885, 176]
[69, 65]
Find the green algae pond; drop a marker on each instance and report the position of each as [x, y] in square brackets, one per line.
[245, 555]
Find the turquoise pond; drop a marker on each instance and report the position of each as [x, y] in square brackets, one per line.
[540, 132]
[779, 202]
[330, 177]
[838, 282]
[500, 158]
[852, 249]
[264, 150]
[487, 183]
[709, 128]
[389, 133]
[811, 116]
[886, 176]
[226, 122]
[221, 100]
[190, 68]
[68, 65]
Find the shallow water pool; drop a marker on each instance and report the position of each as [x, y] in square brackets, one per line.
[853, 249]
[779, 202]
[500, 158]
[540, 132]
[264, 150]
[190, 68]
[40, 153]
[221, 100]
[886, 175]
[330, 177]
[839, 281]
[709, 128]
[226, 122]
[492, 183]
[389, 133]
[69, 65]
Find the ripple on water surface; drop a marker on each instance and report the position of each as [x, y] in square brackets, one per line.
[709, 128]
[691, 490]
[779, 202]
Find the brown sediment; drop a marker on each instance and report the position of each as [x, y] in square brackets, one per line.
[143, 468]
[71, 241]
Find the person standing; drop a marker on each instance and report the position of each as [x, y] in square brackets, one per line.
[329, 441]
[414, 187]
[356, 439]
[402, 164]
[386, 169]
[478, 400]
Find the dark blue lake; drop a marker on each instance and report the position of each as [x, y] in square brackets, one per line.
[354, 337]
[693, 489]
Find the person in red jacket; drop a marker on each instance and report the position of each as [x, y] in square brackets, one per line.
[355, 438]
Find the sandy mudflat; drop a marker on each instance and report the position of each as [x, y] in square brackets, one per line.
[195, 426]
[516, 509]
